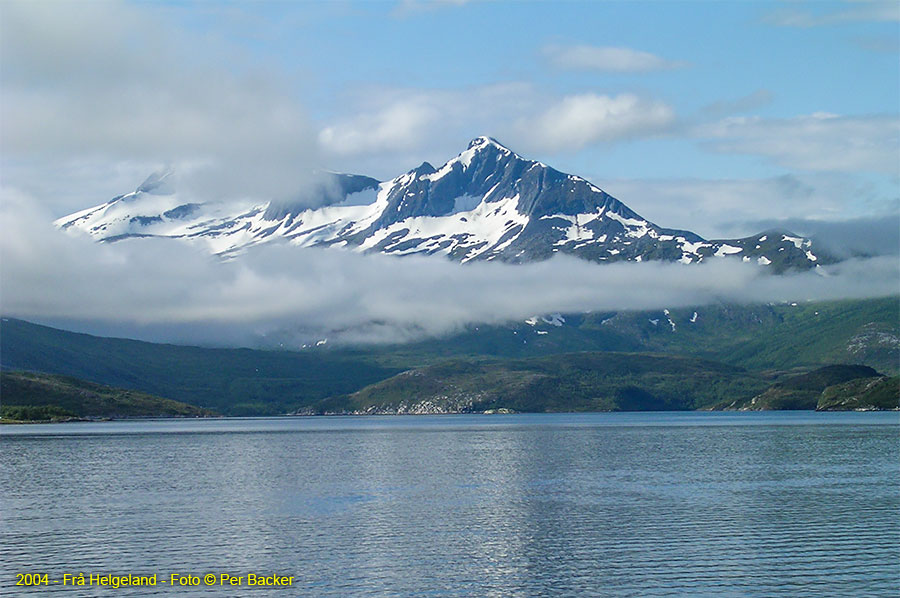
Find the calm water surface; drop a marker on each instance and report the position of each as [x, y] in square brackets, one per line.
[689, 504]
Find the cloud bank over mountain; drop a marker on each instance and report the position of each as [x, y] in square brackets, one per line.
[682, 123]
[162, 290]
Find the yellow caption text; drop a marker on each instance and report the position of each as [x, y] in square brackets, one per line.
[170, 579]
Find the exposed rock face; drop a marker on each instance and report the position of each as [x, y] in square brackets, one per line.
[487, 203]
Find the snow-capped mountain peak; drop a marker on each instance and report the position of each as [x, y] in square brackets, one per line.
[485, 203]
[485, 141]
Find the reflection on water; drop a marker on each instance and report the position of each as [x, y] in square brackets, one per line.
[789, 504]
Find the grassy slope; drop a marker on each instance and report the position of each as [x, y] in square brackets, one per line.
[571, 382]
[865, 393]
[29, 396]
[839, 383]
[760, 337]
[252, 382]
[232, 381]
[855, 332]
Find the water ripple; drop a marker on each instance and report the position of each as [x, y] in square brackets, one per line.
[542, 506]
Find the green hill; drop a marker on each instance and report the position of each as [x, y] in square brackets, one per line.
[570, 382]
[770, 339]
[831, 388]
[862, 393]
[764, 337]
[29, 396]
[231, 381]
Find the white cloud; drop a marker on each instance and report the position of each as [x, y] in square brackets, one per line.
[857, 11]
[91, 86]
[410, 7]
[820, 142]
[723, 208]
[580, 120]
[402, 125]
[882, 44]
[751, 101]
[407, 123]
[606, 59]
[405, 126]
[164, 285]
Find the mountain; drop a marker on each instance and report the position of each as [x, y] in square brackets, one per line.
[831, 388]
[598, 381]
[611, 381]
[862, 394]
[230, 381]
[744, 344]
[802, 391]
[487, 203]
[32, 396]
[763, 336]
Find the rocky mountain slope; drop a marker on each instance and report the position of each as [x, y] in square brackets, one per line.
[487, 203]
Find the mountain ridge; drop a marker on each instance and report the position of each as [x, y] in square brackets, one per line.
[770, 340]
[537, 365]
[487, 203]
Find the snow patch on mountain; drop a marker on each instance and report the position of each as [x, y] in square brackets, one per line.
[487, 203]
[726, 249]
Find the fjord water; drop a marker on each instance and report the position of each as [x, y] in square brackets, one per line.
[658, 504]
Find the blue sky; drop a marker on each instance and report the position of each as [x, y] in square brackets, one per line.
[715, 116]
